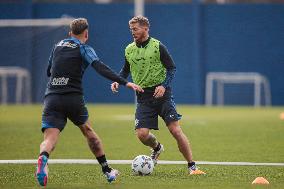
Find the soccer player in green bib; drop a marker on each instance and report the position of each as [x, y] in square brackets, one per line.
[152, 67]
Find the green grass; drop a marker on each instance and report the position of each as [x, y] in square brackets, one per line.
[216, 134]
[165, 176]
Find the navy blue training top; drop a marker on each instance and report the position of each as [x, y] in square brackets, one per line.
[67, 64]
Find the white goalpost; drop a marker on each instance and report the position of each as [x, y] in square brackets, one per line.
[35, 22]
[23, 83]
[222, 78]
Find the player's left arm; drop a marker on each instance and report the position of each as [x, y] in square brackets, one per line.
[169, 64]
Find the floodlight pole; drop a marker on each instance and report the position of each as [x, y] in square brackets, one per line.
[139, 7]
[138, 10]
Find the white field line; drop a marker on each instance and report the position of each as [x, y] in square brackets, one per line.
[92, 161]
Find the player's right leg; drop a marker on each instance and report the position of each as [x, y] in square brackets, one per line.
[150, 140]
[146, 118]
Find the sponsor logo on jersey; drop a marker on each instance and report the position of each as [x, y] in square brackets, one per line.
[59, 81]
[67, 44]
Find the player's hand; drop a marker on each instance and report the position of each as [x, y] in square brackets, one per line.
[134, 87]
[114, 87]
[159, 91]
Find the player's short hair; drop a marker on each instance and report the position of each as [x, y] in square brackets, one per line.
[78, 26]
[143, 21]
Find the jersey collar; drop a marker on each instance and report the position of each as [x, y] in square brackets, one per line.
[75, 40]
[143, 44]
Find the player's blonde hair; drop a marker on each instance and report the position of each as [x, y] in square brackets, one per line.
[143, 21]
[78, 26]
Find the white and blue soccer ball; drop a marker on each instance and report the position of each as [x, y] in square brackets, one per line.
[142, 165]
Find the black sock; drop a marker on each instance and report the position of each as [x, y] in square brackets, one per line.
[158, 147]
[191, 164]
[44, 153]
[103, 162]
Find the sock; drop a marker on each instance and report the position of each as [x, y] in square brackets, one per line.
[44, 153]
[191, 165]
[158, 147]
[103, 162]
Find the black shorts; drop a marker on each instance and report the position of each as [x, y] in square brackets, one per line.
[146, 115]
[57, 108]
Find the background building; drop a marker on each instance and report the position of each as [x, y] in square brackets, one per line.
[210, 36]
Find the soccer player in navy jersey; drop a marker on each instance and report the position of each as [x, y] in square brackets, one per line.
[64, 96]
[152, 68]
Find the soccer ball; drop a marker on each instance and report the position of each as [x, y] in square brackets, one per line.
[142, 165]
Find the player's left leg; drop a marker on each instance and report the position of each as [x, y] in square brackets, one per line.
[53, 121]
[184, 146]
[78, 114]
[169, 114]
[182, 141]
[51, 136]
[96, 147]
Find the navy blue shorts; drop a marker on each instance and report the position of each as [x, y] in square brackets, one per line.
[146, 115]
[57, 108]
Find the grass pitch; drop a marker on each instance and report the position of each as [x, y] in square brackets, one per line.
[241, 134]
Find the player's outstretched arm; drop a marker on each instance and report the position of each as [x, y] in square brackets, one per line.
[134, 87]
[90, 56]
[115, 86]
[108, 73]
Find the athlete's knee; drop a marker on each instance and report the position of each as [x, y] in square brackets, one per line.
[90, 134]
[176, 131]
[142, 134]
[87, 130]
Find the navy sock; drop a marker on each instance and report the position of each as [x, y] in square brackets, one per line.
[158, 147]
[44, 153]
[103, 162]
[191, 164]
